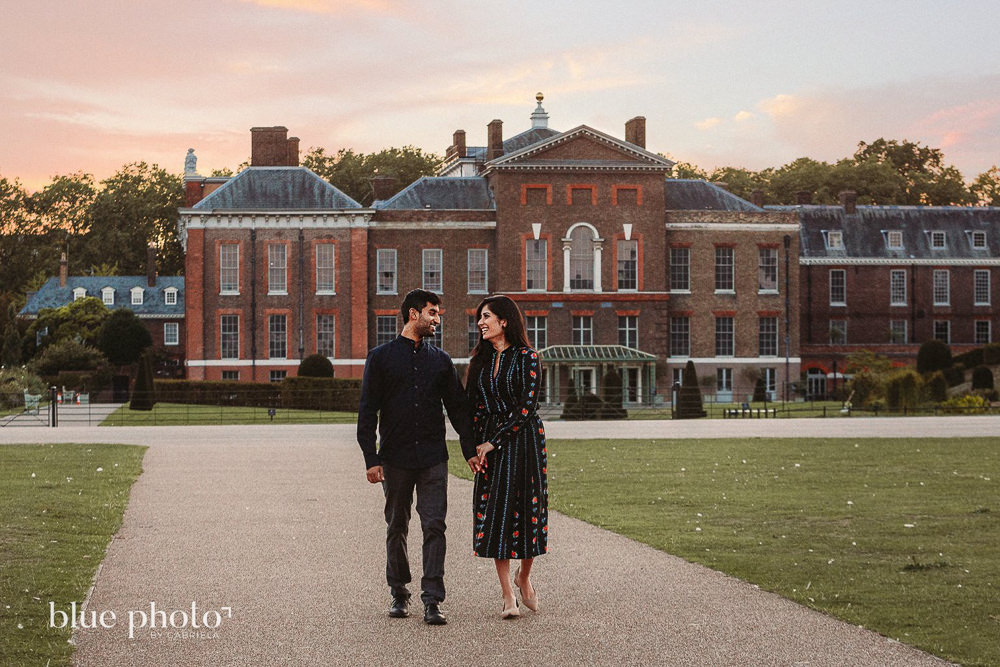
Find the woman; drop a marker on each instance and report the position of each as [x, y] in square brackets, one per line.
[511, 492]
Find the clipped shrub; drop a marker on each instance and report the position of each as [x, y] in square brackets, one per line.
[321, 393]
[933, 355]
[220, 392]
[759, 392]
[991, 354]
[867, 387]
[14, 382]
[144, 390]
[953, 375]
[572, 408]
[315, 366]
[982, 378]
[903, 389]
[936, 388]
[591, 406]
[613, 395]
[969, 404]
[689, 404]
[123, 337]
[969, 359]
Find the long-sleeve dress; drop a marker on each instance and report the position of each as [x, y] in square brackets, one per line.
[510, 498]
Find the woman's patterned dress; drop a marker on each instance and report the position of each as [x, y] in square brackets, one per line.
[511, 495]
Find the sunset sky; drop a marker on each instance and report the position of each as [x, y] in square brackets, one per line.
[90, 86]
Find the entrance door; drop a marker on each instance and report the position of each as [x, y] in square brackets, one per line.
[815, 384]
[586, 380]
[631, 385]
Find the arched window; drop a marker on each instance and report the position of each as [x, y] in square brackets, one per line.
[582, 258]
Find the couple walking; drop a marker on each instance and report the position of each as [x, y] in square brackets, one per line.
[406, 382]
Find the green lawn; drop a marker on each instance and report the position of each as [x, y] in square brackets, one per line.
[900, 536]
[174, 414]
[59, 507]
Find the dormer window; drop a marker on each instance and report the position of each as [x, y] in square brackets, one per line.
[108, 296]
[938, 240]
[977, 240]
[894, 239]
[137, 293]
[79, 293]
[170, 296]
[834, 239]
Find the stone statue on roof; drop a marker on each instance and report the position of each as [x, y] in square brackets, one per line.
[191, 163]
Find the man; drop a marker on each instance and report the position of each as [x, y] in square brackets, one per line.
[405, 383]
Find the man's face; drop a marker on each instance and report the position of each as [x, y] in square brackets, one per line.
[428, 320]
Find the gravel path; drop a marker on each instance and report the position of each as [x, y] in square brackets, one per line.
[279, 525]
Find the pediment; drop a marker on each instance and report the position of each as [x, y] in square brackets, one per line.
[582, 147]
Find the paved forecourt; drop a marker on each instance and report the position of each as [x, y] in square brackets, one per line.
[278, 525]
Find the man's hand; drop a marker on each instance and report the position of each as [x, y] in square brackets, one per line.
[482, 450]
[474, 465]
[375, 475]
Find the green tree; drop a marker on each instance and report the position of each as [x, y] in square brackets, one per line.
[927, 180]
[741, 182]
[123, 337]
[135, 208]
[933, 355]
[687, 170]
[985, 189]
[802, 175]
[315, 366]
[80, 320]
[67, 355]
[63, 212]
[352, 172]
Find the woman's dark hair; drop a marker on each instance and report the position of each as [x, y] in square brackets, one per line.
[418, 299]
[505, 309]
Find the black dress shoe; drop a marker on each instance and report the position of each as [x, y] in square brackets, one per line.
[400, 606]
[433, 615]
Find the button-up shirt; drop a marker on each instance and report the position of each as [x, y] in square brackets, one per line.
[403, 389]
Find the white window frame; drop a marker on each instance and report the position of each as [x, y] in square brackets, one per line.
[535, 266]
[326, 268]
[582, 256]
[679, 345]
[432, 270]
[171, 333]
[384, 258]
[170, 296]
[842, 300]
[277, 340]
[838, 325]
[977, 239]
[938, 240]
[277, 268]
[981, 289]
[137, 295]
[229, 268]
[533, 331]
[223, 333]
[680, 270]
[989, 332]
[946, 325]
[722, 336]
[332, 335]
[834, 239]
[941, 287]
[79, 293]
[767, 270]
[382, 330]
[897, 290]
[894, 239]
[624, 263]
[477, 264]
[582, 331]
[771, 336]
[725, 273]
[628, 328]
[108, 296]
[895, 330]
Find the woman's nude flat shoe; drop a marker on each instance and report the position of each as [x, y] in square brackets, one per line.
[532, 602]
[510, 612]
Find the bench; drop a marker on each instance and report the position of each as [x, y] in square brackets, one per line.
[31, 402]
[746, 411]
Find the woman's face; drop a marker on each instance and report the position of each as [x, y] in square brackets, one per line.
[491, 326]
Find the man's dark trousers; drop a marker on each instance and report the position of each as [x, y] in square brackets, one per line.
[431, 485]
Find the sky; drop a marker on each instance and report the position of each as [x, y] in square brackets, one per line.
[91, 86]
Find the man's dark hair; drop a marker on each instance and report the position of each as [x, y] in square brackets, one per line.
[418, 298]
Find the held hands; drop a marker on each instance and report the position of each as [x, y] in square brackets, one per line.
[375, 474]
[477, 463]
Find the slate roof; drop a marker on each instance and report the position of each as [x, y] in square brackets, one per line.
[51, 295]
[864, 232]
[276, 188]
[515, 143]
[447, 193]
[697, 195]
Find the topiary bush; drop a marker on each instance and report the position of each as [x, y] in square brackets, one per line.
[991, 354]
[67, 355]
[315, 366]
[936, 388]
[903, 390]
[689, 404]
[144, 391]
[933, 355]
[571, 408]
[613, 395]
[982, 378]
[759, 392]
[953, 375]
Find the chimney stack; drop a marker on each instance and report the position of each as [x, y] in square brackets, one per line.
[803, 197]
[494, 133]
[635, 131]
[151, 265]
[270, 147]
[757, 198]
[849, 200]
[458, 141]
[292, 159]
[383, 186]
[63, 270]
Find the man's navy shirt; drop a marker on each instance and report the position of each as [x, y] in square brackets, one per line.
[403, 389]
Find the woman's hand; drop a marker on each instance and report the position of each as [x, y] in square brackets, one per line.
[474, 465]
[482, 450]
